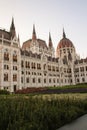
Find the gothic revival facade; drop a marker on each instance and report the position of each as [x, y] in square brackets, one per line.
[35, 64]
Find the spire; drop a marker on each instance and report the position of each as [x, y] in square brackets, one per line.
[12, 28]
[50, 41]
[12, 24]
[64, 35]
[18, 38]
[34, 33]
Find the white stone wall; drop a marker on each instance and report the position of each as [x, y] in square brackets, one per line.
[10, 46]
[49, 73]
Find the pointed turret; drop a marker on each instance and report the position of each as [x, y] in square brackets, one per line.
[12, 29]
[34, 33]
[64, 35]
[50, 41]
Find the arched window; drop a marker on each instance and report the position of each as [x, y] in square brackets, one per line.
[6, 55]
[33, 80]
[83, 79]
[14, 56]
[78, 80]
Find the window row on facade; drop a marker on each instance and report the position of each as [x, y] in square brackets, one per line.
[45, 80]
[39, 80]
[7, 57]
[6, 77]
[81, 69]
[6, 67]
[37, 66]
[80, 80]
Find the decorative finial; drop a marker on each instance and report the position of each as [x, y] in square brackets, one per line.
[12, 28]
[50, 37]
[64, 35]
[12, 24]
[50, 41]
[34, 33]
[18, 38]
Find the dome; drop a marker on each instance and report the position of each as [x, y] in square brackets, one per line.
[65, 42]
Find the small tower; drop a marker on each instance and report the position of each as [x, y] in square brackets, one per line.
[12, 29]
[50, 45]
[34, 37]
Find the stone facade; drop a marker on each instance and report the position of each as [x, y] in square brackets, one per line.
[35, 64]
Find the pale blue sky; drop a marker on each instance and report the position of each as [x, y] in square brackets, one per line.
[48, 15]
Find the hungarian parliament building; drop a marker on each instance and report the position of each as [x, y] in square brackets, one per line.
[38, 64]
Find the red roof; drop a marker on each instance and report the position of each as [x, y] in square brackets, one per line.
[28, 43]
[65, 42]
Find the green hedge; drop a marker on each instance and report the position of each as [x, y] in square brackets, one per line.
[4, 92]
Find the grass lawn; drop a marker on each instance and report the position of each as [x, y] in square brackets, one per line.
[69, 86]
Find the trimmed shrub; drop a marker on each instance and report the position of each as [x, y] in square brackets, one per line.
[4, 92]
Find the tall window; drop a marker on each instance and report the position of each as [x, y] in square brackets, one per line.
[53, 68]
[14, 67]
[57, 69]
[44, 66]
[44, 80]
[22, 63]
[39, 80]
[49, 67]
[14, 56]
[14, 77]
[38, 66]
[33, 80]
[33, 65]
[76, 69]
[81, 69]
[21, 79]
[57, 80]
[5, 77]
[6, 67]
[27, 80]
[6, 55]
[26, 65]
[49, 80]
[83, 79]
